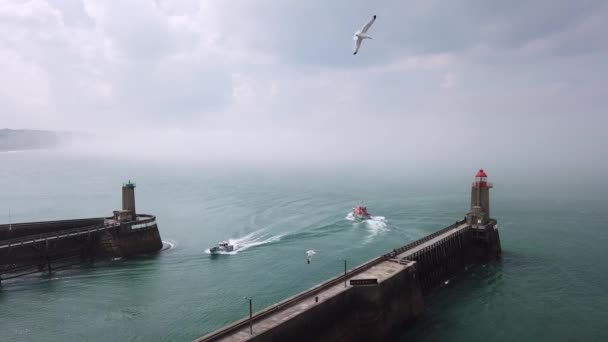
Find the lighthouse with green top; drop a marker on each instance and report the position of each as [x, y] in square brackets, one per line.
[128, 198]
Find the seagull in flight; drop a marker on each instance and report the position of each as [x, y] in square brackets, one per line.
[362, 34]
[309, 255]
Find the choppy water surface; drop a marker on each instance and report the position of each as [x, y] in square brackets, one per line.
[551, 283]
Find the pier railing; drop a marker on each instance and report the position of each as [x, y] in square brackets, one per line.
[56, 235]
[243, 323]
[426, 238]
[143, 221]
[29, 225]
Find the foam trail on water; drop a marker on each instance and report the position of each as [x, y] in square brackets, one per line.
[373, 221]
[256, 238]
[168, 245]
[377, 222]
[375, 225]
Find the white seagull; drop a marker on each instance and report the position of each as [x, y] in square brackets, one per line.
[309, 255]
[362, 34]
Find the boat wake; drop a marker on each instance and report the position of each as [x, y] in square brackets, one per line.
[168, 245]
[375, 225]
[377, 221]
[350, 217]
[254, 239]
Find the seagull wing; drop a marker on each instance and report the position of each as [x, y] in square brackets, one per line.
[357, 45]
[368, 25]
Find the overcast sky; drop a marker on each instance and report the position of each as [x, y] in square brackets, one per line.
[473, 81]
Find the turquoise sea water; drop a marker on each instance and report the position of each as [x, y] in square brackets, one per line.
[551, 283]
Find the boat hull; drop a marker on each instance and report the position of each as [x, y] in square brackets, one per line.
[218, 250]
[360, 218]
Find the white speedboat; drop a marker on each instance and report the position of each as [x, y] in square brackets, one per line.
[223, 246]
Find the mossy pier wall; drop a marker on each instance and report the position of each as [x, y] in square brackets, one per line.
[44, 246]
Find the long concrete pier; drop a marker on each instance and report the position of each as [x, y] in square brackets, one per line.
[31, 247]
[379, 298]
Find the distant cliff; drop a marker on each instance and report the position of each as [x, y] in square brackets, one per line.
[25, 139]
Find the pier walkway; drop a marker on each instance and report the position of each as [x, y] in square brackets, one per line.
[431, 241]
[379, 268]
[63, 234]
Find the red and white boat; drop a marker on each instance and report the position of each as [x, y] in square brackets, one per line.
[360, 213]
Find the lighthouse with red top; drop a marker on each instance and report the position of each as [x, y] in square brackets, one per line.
[480, 199]
[483, 227]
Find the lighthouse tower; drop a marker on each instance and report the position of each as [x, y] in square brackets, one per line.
[480, 199]
[127, 213]
[128, 198]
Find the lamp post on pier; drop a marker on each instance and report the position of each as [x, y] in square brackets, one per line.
[344, 272]
[250, 316]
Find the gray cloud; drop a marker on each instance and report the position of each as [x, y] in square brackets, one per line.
[72, 12]
[138, 29]
[473, 81]
[180, 89]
